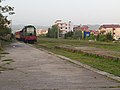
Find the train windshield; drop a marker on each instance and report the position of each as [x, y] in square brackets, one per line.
[30, 30]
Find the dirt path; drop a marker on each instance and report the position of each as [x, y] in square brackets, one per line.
[37, 70]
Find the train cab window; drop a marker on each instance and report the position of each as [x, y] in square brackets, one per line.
[30, 31]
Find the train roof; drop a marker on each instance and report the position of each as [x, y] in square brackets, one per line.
[29, 26]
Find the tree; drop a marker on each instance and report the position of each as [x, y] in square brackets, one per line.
[68, 35]
[4, 22]
[6, 9]
[77, 34]
[53, 32]
[48, 34]
[5, 31]
[109, 37]
[91, 37]
[101, 37]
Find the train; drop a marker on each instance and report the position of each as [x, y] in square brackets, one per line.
[27, 34]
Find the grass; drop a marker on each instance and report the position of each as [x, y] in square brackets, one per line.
[4, 53]
[2, 68]
[5, 62]
[103, 45]
[110, 66]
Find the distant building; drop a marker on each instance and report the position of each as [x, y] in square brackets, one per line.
[112, 28]
[94, 32]
[84, 29]
[81, 28]
[41, 32]
[64, 27]
[77, 28]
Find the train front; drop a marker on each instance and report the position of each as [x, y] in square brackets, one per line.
[30, 35]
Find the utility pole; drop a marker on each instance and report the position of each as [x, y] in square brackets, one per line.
[58, 33]
[0, 42]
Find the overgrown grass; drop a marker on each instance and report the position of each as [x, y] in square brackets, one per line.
[4, 65]
[110, 66]
[104, 45]
[5, 62]
[3, 44]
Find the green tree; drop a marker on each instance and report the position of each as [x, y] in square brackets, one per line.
[77, 34]
[6, 9]
[101, 37]
[48, 34]
[5, 31]
[53, 32]
[69, 34]
[4, 22]
[92, 37]
[109, 37]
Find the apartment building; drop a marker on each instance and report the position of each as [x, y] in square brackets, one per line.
[64, 27]
[111, 28]
[81, 28]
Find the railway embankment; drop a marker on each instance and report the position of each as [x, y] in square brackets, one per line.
[92, 51]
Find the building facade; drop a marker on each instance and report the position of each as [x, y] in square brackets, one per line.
[64, 27]
[84, 30]
[81, 28]
[112, 28]
[41, 32]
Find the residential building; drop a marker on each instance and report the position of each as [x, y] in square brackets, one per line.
[64, 27]
[41, 32]
[85, 30]
[81, 28]
[94, 32]
[111, 28]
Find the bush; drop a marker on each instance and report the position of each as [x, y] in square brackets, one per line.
[4, 31]
[101, 37]
[68, 35]
[109, 37]
[92, 37]
[52, 32]
[77, 35]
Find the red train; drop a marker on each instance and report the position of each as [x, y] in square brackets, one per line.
[27, 34]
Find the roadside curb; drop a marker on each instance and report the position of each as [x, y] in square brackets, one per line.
[85, 66]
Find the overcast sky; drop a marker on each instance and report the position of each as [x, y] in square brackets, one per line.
[45, 12]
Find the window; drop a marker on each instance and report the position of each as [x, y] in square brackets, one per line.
[30, 31]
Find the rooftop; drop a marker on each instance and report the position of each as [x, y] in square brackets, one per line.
[110, 26]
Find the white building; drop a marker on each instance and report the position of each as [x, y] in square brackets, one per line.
[64, 27]
[41, 32]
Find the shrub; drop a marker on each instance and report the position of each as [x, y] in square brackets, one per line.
[109, 37]
[68, 35]
[101, 37]
[77, 35]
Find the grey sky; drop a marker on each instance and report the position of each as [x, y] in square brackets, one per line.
[45, 12]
